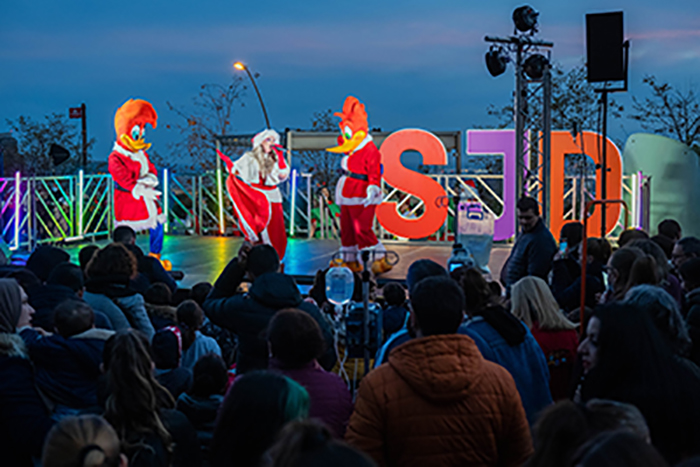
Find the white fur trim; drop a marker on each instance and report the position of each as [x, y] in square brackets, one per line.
[364, 142]
[95, 333]
[263, 135]
[139, 226]
[344, 162]
[12, 345]
[138, 156]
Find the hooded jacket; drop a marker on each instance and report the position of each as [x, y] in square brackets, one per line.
[438, 402]
[248, 315]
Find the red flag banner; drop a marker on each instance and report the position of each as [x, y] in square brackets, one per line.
[75, 112]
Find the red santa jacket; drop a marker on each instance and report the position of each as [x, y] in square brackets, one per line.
[135, 196]
[364, 169]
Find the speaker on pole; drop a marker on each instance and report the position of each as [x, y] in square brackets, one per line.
[604, 47]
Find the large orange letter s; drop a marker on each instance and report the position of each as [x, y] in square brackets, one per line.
[414, 183]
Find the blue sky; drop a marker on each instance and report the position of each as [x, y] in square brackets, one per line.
[414, 63]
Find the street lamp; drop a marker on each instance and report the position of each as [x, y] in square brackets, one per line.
[240, 66]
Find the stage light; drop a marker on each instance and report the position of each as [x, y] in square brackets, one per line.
[496, 61]
[525, 18]
[534, 66]
[292, 213]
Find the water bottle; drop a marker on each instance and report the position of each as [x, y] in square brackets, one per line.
[340, 284]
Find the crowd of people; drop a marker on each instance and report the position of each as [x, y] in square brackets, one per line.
[109, 363]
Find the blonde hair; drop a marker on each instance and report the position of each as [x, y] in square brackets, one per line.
[532, 301]
[266, 162]
[84, 441]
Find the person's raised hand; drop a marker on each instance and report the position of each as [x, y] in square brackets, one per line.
[243, 253]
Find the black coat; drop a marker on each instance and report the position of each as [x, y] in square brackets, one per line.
[692, 303]
[248, 315]
[531, 255]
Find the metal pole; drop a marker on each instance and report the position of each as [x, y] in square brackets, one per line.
[518, 102]
[604, 166]
[83, 111]
[546, 141]
[257, 91]
[365, 308]
[219, 191]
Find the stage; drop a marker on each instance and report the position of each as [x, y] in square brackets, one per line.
[203, 258]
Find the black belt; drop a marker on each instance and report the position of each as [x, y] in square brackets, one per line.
[118, 187]
[362, 177]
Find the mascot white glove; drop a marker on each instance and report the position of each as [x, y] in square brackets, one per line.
[374, 195]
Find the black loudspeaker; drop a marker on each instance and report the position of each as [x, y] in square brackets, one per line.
[604, 47]
[58, 153]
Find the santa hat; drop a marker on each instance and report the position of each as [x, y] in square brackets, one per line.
[263, 135]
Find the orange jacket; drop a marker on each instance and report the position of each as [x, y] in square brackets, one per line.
[437, 402]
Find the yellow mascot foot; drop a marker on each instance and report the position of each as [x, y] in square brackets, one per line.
[167, 265]
[381, 266]
[354, 266]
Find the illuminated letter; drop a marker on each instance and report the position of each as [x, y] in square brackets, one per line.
[414, 183]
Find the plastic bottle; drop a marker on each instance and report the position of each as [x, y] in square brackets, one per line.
[340, 284]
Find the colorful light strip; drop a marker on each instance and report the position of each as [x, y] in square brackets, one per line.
[292, 212]
[166, 197]
[17, 210]
[81, 194]
[220, 196]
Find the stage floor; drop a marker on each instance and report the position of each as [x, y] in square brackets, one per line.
[203, 258]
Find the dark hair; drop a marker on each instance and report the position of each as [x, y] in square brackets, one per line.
[421, 269]
[477, 292]
[25, 278]
[44, 259]
[189, 318]
[113, 260]
[295, 338]
[158, 294]
[262, 259]
[438, 305]
[68, 275]
[82, 441]
[606, 415]
[123, 234]
[665, 243]
[165, 348]
[644, 271]
[85, 255]
[209, 376]
[254, 411]
[72, 317]
[200, 291]
[572, 233]
[560, 430]
[599, 249]
[655, 251]
[690, 246]
[394, 294]
[622, 261]
[308, 443]
[631, 234]
[618, 449]
[690, 272]
[318, 290]
[135, 397]
[527, 203]
[635, 365]
[669, 228]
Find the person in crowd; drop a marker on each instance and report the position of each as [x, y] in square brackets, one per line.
[108, 289]
[225, 338]
[686, 248]
[670, 229]
[307, 443]
[166, 347]
[202, 401]
[606, 415]
[149, 268]
[438, 401]
[567, 257]
[44, 259]
[83, 441]
[158, 299]
[296, 342]
[254, 411]
[395, 313]
[619, 269]
[504, 339]
[668, 281]
[85, 256]
[618, 449]
[24, 418]
[200, 291]
[566, 276]
[67, 363]
[534, 248]
[532, 302]
[630, 235]
[628, 360]
[690, 275]
[194, 344]
[665, 243]
[665, 314]
[141, 410]
[417, 271]
[247, 315]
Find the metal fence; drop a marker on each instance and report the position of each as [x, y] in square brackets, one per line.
[35, 210]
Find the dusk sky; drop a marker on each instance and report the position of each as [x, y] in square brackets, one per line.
[413, 63]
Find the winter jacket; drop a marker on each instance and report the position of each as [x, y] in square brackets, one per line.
[123, 306]
[566, 283]
[201, 346]
[438, 402]
[531, 255]
[692, 318]
[162, 316]
[175, 380]
[559, 348]
[525, 362]
[201, 412]
[248, 315]
[46, 298]
[331, 401]
[67, 368]
[24, 418]
[393, 319]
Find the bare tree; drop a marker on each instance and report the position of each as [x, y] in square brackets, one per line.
[324, 166]
[210, 116]
[34, 139]
[669, 111]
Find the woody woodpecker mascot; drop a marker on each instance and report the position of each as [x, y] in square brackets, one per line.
[358, 191]
[135, 176]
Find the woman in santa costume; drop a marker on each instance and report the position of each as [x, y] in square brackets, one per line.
[135, 177]
[252, 185]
